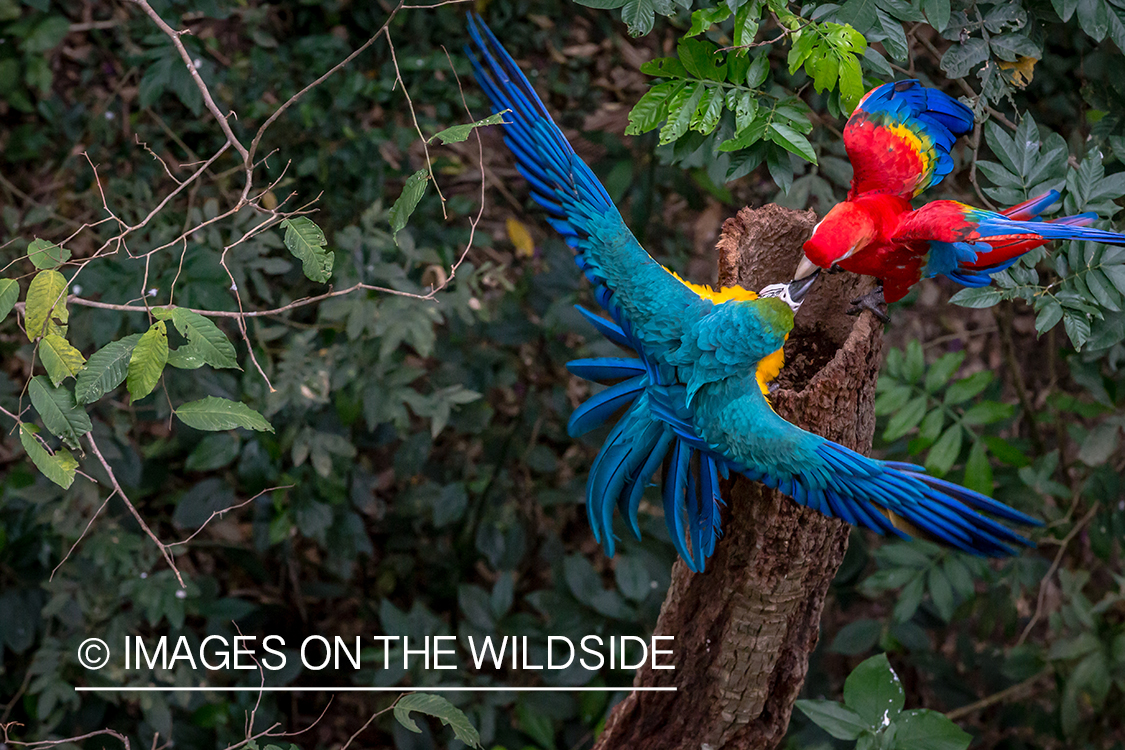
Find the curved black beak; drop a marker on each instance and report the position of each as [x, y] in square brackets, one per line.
[799, 288]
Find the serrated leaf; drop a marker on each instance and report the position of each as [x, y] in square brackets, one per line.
[59, 358]
[46, 297]
[439, 708]
[306, 241]
[9, 294]
[602, 4]
[460, 133]
[105, 370]
[61, 414]
[214, 414]
[59, 467]
[44, 254]
[204, 338]
[147, 360]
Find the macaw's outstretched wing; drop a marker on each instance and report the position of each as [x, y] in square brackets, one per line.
[970, 244]
[887, 497]
[899, 137]
[645, 299]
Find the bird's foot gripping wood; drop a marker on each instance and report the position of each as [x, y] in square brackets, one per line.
[872, 301]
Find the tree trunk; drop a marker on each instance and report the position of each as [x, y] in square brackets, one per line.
[744, 629]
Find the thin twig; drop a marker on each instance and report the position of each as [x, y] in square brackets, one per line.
[133, 510]
[1009, 692]
[1051, 572]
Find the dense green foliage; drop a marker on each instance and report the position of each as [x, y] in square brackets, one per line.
[394, 459]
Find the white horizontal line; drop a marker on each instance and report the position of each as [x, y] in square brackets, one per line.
[438, 689]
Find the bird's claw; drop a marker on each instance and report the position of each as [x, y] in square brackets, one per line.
[872, 301]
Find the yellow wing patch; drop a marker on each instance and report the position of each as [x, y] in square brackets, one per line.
[769, 367]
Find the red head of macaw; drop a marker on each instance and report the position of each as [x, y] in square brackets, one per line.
[899, 140]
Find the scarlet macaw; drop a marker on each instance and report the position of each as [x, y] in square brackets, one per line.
[898, 140]
[694, 397]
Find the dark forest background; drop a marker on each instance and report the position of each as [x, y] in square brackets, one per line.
[417, 476]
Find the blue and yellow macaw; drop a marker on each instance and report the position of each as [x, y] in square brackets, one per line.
[695, 396]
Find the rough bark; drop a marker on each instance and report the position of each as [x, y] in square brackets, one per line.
[744, 629]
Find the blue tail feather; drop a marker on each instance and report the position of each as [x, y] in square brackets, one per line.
[601, 406]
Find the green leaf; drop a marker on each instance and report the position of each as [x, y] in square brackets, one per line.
[922, 729]
[915, 364]
[680, 109]
[791, 141]
[9, 293]
[412, 192]
[62, 416]
[214, 414]
[306, 241]
[941, 592]
[1048, 317]
[602, 4]
[746, 23]
[987, 412]
[906, 419]
[937, 13]
[46, 298]
[639, 15]
[945, 451]
[460, 133]
[977, 298]
[978, 471]
[706, 117]
[59, 358]
[874, 692]
[44, 254]
[204, 338]
[1065, 8]
[966, 388]
[701, 20]
[59, 467]
[105, 370]
[857, 637]
[147, 360]
[941, 371]
[835, 718]
[652, 109]
[440, 708]
[758, 71]
[959, 60]
[1012, 47]
[851, 82]
[214, 452]
[1093, 17]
